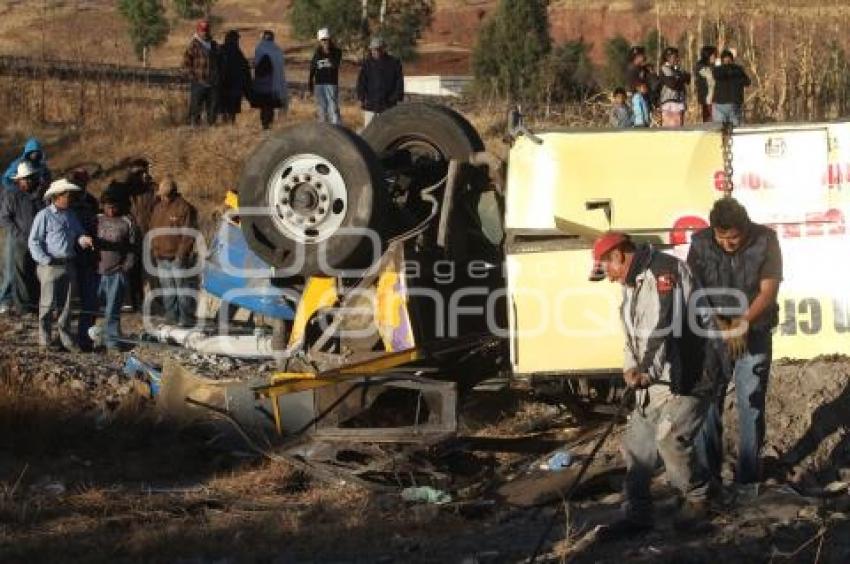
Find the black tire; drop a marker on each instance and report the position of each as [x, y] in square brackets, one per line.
[445, 129]
[367, 201]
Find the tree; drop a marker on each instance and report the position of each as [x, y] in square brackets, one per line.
[567, 73]
[401, 25]
[511, 46]
[616, 61]
[148, 26]
[189, 9]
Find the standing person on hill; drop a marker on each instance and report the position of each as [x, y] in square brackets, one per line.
[674, 83]
[201, 64]
[85, 207]
[704, 77]
[324, 77]
[270, 88]
[638, 71]
[173, 225]
[33, 153]
[621, 113]
[641, 115]
[380, 85]
[54, 241]
[235, 77]
[729, 90]
[17, 212]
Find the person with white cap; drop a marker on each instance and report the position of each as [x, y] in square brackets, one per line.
[54, 241]
[663, 363]
[324, 77]
[17, 212]
[380, 85]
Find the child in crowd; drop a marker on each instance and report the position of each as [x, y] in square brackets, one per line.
[641, 115]
[116, 244]
[621, 115]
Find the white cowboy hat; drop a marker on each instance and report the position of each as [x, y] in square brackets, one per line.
[25, 169]
[60, 187]
[324, 33]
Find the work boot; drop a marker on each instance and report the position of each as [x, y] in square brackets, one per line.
[693, 515]
[626, 528]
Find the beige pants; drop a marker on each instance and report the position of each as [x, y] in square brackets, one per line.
[57, 284]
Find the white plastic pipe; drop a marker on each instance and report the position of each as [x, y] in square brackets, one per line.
[256, 347]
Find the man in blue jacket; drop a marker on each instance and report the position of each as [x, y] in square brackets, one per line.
[34, 154]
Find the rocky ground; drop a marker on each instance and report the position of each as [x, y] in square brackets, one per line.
[90, 472]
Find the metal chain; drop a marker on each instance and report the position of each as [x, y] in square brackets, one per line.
[728, 185]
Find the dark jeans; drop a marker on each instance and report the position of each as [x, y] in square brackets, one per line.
[111, 293]
[25, 283]
[750, 373]
[8, 269]
[202, 97]
[135, 282]
[178, 297]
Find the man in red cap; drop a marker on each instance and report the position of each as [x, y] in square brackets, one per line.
[201, 65]
[663, 364]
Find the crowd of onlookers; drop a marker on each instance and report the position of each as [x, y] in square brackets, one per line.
[63, 246]
[221, 77]
[719, 81]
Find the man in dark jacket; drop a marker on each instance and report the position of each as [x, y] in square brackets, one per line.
[380, 85]
[740, 263]
[201, 65]
[85, 207]
[324, 77]
[17, 212]
[663, 363]
[235, 77]
[729, 83]
[173, 223]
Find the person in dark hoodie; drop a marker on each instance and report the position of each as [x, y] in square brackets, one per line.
[200, 63]
[730, 81]
[34, 154]
[270, 90]
[235, 77]
[380, 85]
[637, 72]
[17, 212]
[324, 77]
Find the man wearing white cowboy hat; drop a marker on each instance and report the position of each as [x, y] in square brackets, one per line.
[54, 241]
[17, 212]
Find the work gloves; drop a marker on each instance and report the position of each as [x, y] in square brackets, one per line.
[635, 379]
[734, 335]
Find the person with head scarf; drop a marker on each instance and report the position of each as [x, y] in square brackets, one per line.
[235, 77]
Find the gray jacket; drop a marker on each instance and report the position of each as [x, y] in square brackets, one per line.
[660, 341]
[17, 212]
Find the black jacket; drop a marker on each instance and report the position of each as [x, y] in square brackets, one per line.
[17, 212]
[324, 68]
[730, 81]
[380, 85]
[760, 258]
[235, 72]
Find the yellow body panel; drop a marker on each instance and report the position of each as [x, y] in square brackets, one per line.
[319, 292]
[795, 178]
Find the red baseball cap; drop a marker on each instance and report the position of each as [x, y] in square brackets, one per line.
[605, 243]
[203, 26]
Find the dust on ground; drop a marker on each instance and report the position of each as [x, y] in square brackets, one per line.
[89, 471]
